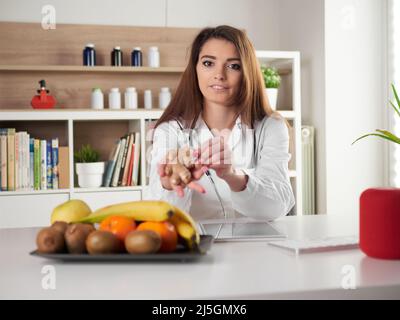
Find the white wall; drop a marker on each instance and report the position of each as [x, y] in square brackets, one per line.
[354, 75]
[305, 33]
[256, 16]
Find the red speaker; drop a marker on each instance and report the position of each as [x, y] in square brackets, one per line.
[380, 223]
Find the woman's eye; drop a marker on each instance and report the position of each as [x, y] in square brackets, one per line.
[207, 63]
[234, 66]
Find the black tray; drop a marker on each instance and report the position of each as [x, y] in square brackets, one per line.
[181, 254]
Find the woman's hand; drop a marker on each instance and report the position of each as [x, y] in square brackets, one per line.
[180, 170]
[215, 154]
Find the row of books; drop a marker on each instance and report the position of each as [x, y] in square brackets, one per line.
[123, 165]
[27, 163]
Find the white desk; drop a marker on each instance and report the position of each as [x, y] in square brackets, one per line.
[232, 270]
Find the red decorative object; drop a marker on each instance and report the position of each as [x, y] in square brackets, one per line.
[380, 223]
[43, 100]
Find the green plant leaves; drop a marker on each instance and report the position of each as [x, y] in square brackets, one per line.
[86, 154]
[384, 133]
[396, 108]
[272, 79]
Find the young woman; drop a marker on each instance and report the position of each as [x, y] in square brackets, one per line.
[219, 146]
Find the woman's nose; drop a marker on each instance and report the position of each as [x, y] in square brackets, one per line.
[220, 74]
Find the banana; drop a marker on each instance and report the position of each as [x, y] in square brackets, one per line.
[185, 231]
[145, 210]
[186, 227]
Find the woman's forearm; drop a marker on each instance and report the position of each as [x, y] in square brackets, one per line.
[237, 181]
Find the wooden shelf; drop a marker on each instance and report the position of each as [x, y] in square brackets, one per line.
[61, 68]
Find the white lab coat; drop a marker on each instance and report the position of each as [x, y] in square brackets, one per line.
[268, 194]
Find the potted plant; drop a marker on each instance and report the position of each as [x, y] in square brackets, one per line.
[272, 81]
[380, 209]
[88, 167]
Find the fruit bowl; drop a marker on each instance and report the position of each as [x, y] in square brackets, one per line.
[181, 254]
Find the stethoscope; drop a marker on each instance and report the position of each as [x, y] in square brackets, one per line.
[189, 140]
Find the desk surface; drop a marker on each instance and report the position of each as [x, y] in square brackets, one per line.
[237, 270]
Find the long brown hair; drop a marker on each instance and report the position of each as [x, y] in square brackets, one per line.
[187, 102]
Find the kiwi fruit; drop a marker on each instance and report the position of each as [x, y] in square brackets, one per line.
[50, 240]
[142, 241]
[75, 237]
[60, 226]
[102, 242]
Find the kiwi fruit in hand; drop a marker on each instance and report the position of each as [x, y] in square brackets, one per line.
[50, 240]
[102, 242]
[76, 235]
[142, 241]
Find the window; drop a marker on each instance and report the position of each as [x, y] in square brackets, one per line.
[394, 77]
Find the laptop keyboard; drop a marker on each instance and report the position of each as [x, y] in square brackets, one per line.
[318, 244]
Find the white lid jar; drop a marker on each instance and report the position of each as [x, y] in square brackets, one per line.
[97, 99]
[114, 99]
[154, 57]
[131, 98]
[164, 97]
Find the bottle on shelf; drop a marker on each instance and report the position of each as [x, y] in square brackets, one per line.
[116, 57]
[147, 99]
[137, 57]
[114, 99]
[97, 99]
[89, 55]
[164, 97]
[131, 98]
[154, 57]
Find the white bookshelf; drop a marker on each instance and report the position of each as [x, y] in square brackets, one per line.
[289, 105]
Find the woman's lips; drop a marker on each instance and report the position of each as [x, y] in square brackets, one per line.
[218, 88]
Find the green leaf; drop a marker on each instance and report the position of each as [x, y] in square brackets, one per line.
[374, 134]
[395, 108]
[86, 154]
[396, 97]
[272, 79]
[390, 135]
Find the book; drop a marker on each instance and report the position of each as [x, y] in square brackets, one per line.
[43, 165]
[3, 158]
[124, 158]
[31, 164]
[136, 160]
[63, 167]
[16, 159]
[128, 160]
[117, 169]
[26, 161]
[111, 164]
[36, 174]
[129, 182]
[49, 165]
[11, 159]
[54, 159]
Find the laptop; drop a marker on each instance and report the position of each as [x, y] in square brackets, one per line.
[240, 229]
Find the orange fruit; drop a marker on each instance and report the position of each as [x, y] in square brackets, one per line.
[167, 232]
[118, 225]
